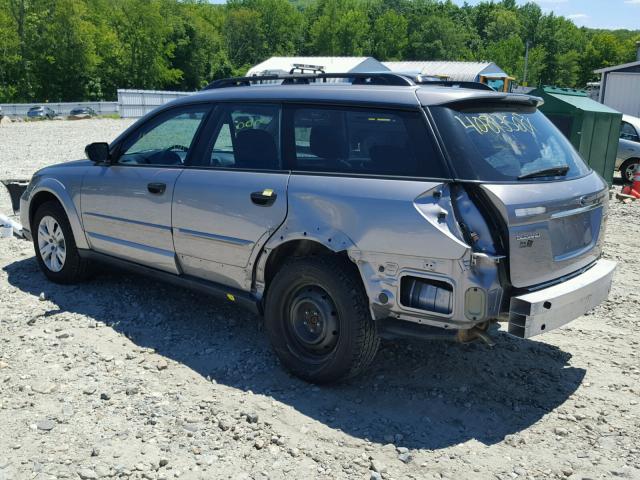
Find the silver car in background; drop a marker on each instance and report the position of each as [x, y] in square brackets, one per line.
[342, 212]
[628, 156]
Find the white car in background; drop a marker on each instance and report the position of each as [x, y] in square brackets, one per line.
[629, 147]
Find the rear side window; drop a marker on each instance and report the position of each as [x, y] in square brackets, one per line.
[505, 144]
[363, 141]
[246, 136]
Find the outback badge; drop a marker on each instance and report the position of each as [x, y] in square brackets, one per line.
[526, 239]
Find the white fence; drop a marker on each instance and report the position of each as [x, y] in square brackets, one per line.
[130, 104]
[136, 103]
[21, 109]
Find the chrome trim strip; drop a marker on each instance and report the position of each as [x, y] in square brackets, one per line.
[210, 236]
[576, 211]
[126, 220]
[127, 243]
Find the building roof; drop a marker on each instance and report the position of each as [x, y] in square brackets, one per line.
[457, 71]
[618, 67]
[329, 64]
[564, 91]
[576, 98]
[584, 103]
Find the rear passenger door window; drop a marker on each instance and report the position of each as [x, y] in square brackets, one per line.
[246, 136]
[363, 141]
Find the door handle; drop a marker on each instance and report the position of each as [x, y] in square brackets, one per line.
[157, 188]
[264, 198]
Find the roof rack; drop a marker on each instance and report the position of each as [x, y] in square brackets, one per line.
[377, 78]
[359, 78]
[302, 67]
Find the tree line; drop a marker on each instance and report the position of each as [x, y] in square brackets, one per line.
[71, 50]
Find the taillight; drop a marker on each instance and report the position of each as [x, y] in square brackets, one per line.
[474, 228]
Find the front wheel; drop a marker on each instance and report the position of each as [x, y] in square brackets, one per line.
[318, 320]
[627, 169]
[55, 246]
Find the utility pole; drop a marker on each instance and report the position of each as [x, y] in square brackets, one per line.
[526, 64]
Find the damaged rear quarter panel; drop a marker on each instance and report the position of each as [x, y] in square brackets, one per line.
[388, 227]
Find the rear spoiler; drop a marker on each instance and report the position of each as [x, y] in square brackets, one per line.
[497, 99]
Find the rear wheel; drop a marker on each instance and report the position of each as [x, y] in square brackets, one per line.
[318, 320]
[627, 169]
[55, 246]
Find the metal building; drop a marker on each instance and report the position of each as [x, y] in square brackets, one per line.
[620, 87]
[456, 71]
[484, 72]
[280, 65]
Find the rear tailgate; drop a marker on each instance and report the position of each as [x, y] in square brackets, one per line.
[554, 228]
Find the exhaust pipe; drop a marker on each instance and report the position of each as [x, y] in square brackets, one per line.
[475, 333]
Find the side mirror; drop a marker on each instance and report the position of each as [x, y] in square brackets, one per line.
[97, 152]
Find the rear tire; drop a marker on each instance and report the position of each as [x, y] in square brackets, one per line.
[317, 318]
[55, 246]
[627, 168]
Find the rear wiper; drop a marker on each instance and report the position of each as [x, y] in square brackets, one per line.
[547, 172]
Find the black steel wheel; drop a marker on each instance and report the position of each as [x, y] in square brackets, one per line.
[318, 321]
[312, 322]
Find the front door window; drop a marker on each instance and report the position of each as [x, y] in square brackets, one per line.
[165, 141]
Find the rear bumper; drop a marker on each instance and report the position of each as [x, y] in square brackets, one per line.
[538, 312]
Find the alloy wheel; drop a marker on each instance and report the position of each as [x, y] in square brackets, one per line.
[51, 243]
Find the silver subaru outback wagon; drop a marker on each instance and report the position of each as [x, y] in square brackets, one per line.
[342, 212]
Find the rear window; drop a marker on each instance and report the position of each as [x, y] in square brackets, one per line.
[506, 144]
[364, 141]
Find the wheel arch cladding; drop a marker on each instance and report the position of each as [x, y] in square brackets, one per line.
[52, 190]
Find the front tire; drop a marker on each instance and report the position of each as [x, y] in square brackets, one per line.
[55, 247]
[317, 318]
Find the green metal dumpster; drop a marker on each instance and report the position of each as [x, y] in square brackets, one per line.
[592, 128]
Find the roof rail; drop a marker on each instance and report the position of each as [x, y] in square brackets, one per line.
[377, 78]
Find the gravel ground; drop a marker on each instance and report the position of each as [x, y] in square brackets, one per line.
[123, 377]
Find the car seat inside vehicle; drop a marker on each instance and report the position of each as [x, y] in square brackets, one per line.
[256, 149]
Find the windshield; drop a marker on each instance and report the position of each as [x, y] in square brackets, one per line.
[505, 144]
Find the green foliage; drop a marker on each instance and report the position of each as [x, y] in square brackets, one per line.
[389, 36]
[60, 50]
[339, 27]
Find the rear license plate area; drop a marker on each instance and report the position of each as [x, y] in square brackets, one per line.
[573, 234]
